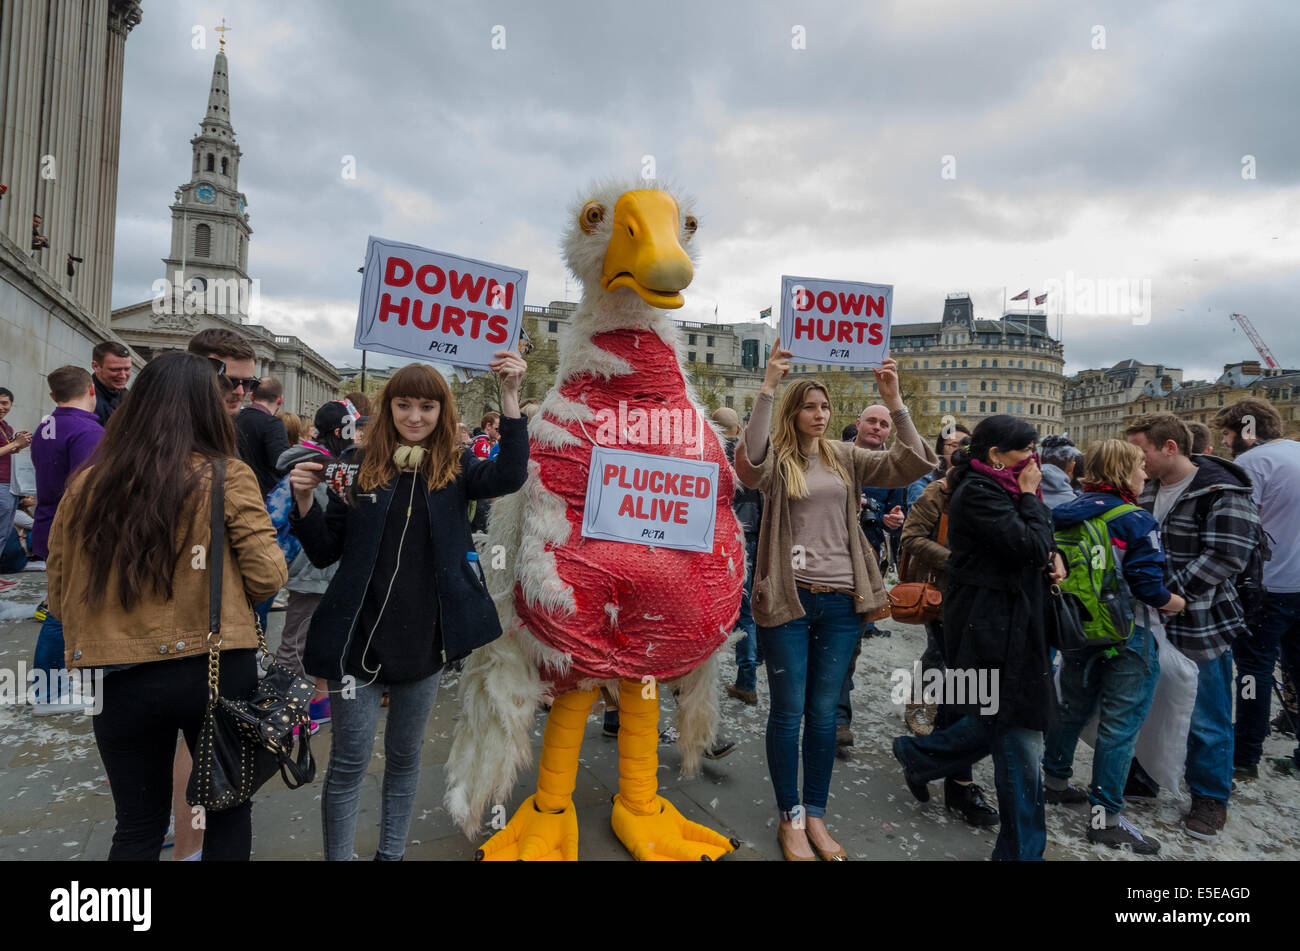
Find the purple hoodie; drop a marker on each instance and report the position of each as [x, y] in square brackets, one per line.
[62, 442]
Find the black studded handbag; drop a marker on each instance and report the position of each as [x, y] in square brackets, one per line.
[243, 743]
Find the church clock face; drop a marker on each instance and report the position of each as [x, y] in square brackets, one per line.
[954, 312]
[206, 194]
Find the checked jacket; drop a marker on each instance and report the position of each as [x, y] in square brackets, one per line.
[1204, 556]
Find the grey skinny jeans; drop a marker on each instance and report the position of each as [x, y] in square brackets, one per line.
[352, 739]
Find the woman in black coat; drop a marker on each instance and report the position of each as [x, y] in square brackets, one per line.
[408, 596]
[1001, 565]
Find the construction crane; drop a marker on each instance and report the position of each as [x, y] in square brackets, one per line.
[1265, 354]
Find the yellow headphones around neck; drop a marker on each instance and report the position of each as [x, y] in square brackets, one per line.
[408, 457]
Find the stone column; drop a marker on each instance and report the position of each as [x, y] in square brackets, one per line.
[57, 138]
[89, 197]
[21, 63]
[123, 15]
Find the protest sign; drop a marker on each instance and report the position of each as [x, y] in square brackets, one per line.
[647, 499]
[438, 307]
[842, 323]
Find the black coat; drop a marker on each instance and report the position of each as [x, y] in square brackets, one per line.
[746, 503]
[262, 437]
[350, 535]
[997, 590]
[106, 401]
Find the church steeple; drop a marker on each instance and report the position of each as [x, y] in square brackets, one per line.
[210, 229]
[219, 96]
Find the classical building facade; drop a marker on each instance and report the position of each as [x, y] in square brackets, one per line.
[60, 127]
[205, 279]
[1200, 400]
[350, 378]
[1096, 400]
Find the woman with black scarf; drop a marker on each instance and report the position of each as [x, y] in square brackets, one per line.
[1002, 562]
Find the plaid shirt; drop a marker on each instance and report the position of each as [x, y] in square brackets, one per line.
[1202, 559]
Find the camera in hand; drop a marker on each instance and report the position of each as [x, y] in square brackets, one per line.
[337, 474]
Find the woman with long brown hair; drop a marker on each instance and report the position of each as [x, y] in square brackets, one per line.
[814, 586]
[128, 576]
[408, 596]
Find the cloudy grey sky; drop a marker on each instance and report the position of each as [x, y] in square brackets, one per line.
[938, 145]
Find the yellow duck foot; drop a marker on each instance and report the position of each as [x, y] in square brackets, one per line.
[665, 835]
[534, 836]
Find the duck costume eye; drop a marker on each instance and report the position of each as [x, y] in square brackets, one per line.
[593, 213]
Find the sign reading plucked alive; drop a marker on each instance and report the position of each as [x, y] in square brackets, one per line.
[842, 323]
[648, 499]
[436, 306]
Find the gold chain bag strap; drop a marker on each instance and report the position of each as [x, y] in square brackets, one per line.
[243, 743]
[917, 602]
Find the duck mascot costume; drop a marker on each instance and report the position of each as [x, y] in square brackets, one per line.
[579, 612]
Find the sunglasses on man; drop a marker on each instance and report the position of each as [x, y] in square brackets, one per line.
[249, 383]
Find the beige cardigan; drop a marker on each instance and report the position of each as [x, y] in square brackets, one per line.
[775, 599]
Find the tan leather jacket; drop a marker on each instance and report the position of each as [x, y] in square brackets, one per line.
[254, 569]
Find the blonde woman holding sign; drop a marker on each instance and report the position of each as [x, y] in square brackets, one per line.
[814, 585]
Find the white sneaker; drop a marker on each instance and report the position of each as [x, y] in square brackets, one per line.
[65, 704]
[34, 566]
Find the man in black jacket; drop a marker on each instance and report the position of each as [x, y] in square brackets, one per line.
[262, 436]
[748, 506]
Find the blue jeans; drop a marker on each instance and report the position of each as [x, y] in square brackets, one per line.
[352, 739]
[49, 648]
[806, 660]
[9, 505]
[947, 713]
[1124, 686]
[844, 705]
[263, 610]
[747, 646]
[1278, 628]
[12, 556]
[1209, 741]
[1017, 753]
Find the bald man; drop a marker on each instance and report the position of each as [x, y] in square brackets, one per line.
[883, 511]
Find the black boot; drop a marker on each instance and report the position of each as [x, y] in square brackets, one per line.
[1139, 784]
[969, 800]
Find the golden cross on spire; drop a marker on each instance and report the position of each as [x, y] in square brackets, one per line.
[222, 30]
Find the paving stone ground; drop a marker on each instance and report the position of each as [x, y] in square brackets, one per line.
[55, 802]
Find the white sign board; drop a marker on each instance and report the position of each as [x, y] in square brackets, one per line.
[647, 499]
[842, 323]
[438, 307]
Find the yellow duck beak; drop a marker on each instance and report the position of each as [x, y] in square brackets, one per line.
[644, 253]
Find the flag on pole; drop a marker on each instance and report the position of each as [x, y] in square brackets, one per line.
[1023, 295]
[765, 314]
[1039, 299]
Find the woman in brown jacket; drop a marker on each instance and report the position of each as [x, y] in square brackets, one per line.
[926, 554]
[128, 577]
[814, 586]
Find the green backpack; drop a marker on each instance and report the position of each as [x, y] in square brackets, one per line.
[1097, 580]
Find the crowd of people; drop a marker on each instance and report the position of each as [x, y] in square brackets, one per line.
[1158, 644]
